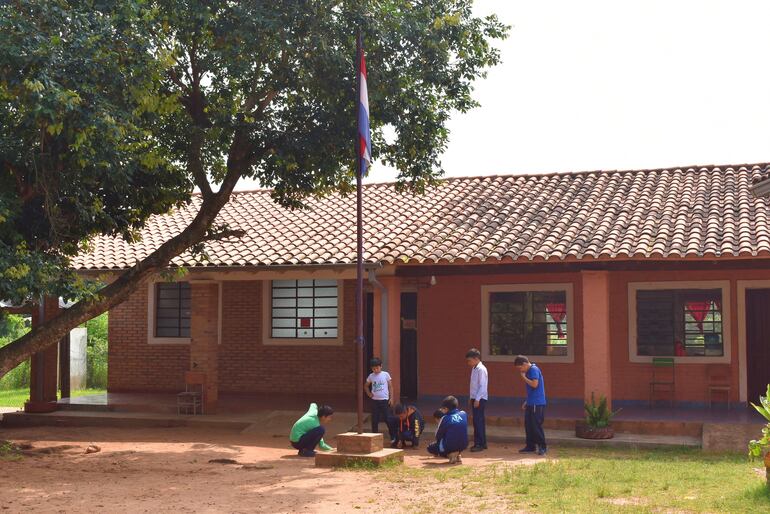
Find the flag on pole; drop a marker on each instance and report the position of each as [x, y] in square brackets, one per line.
[364, 139]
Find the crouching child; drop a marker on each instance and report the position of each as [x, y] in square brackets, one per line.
[308, 431]
[452, 432]
[406, 426]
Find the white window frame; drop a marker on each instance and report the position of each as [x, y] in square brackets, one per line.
[518, 288]
[151, 314]
[267, 319]
[723, 285]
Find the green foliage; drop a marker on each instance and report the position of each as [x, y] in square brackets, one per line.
[12, 327]
[97, 352]
[598, 415]
[758, 447]
[110, 110]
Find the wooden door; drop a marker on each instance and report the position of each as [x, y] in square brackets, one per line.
[409, 345]
[757, 342]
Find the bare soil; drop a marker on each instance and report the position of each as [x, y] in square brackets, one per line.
[169, 470]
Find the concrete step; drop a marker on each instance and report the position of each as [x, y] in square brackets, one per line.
[378, 458]
[511, 435]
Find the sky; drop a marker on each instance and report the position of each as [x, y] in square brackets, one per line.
[607, 85]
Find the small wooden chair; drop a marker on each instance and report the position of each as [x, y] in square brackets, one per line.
[191, 399]
[663, 378]
[718, 381]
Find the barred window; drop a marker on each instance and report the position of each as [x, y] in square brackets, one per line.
[172, 309]
[304, 309]
[528, 323]
[679, 322]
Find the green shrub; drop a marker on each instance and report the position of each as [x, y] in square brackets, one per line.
[758, 447]
[12, 327]
[97, 352]
[598, 415]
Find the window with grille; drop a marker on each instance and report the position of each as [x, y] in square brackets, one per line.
[679, 322]
[304, 309]
[528, 323]
[172, 309]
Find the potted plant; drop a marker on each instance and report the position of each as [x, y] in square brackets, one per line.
[759, 447]
[598, 421]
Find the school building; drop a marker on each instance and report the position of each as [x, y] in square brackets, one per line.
[609, 280]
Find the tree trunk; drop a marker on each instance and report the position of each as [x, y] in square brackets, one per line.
[50, 332]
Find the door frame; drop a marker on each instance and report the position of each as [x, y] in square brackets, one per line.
[741, 287]
[407, 290]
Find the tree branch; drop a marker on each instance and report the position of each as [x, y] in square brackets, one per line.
[224, 234]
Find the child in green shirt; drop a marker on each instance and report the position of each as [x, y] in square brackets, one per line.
[308, 431]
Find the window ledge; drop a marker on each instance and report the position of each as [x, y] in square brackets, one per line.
[724, 359]
[168, 340]
[302, 342]
[552, 359]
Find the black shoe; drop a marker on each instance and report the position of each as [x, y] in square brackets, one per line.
[478, 449]
[542, 451]
[527, 449]
[394, 444]
[304, 452]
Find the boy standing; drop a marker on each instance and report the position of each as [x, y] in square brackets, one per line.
[406, 426]
[534, 406]
[478, 398]
[308, 431]
[452, 432]
[379, 388]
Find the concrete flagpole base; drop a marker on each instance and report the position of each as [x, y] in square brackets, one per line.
[353, 448]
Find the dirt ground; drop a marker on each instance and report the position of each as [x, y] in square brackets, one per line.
[168, 469]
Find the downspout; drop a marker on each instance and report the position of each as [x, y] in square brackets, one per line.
[383, 316]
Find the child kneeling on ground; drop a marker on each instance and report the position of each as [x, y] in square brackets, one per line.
[406, 426]
[308, 431]
[452, 432]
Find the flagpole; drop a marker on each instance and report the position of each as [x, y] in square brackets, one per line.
[359, 250]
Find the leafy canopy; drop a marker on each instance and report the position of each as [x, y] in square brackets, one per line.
[111, 111]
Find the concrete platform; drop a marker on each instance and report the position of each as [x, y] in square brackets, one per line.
[339, 459]
[498, 434]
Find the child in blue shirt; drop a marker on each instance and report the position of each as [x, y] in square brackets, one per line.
[452, 432]
[534, 406]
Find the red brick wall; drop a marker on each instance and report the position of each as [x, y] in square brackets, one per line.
[134, 365]
[245, 364]
[449, 323]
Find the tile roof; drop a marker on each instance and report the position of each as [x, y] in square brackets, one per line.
[665, 213]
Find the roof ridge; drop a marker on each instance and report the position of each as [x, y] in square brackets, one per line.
[694, 167]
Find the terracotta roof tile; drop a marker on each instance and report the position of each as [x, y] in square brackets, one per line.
[676, 213]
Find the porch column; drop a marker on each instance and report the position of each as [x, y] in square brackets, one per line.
[596, 334]
[204, 339]
[392, 356]
[44, 365]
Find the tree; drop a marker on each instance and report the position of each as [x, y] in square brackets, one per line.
[112, 111]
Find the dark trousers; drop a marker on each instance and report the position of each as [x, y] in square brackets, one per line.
[533, 425]
[479, 424]
[310, 439]
[396, 434]
[380, 413]
[433, 449]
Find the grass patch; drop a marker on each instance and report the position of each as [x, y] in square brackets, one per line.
[364, 465]
[614, 480]
[9, 451]
[17, 397]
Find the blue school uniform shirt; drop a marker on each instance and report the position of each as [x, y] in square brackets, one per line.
[535, 395]
[452, 432]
